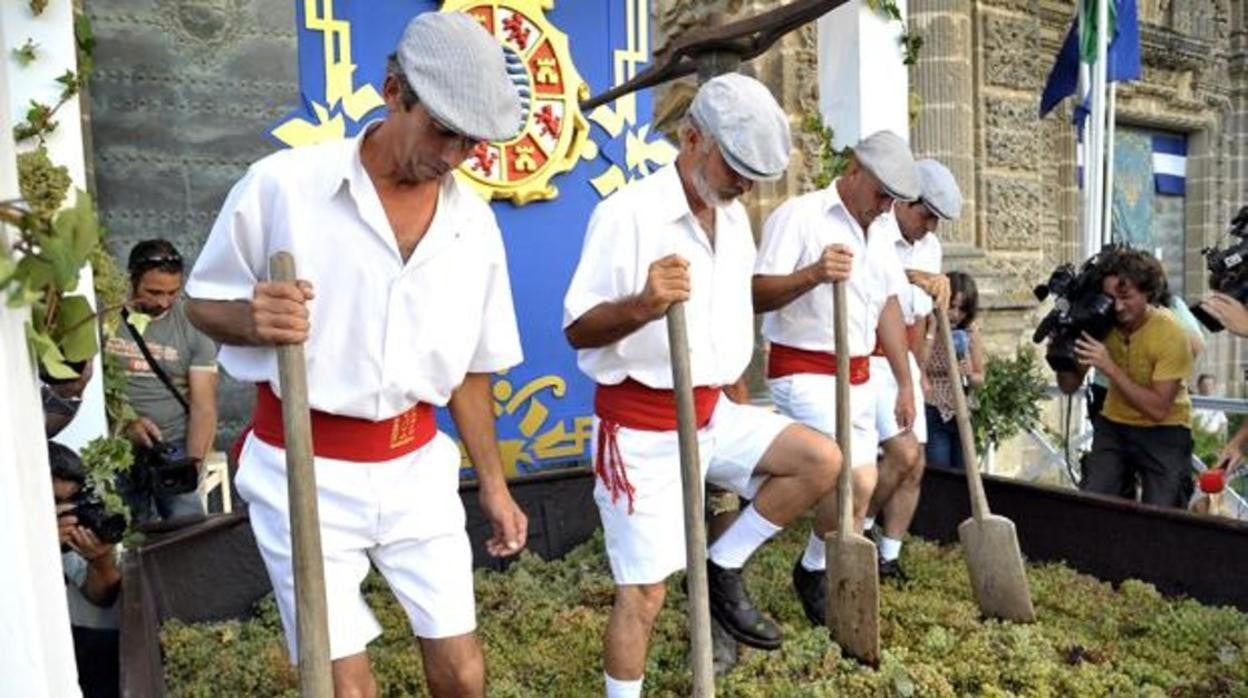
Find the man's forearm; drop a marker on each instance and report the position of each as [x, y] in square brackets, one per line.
[103, 581]
[201, 429]
[772, 292]
[608, 323]
[227, 322]
[1153, 404]
[472, 409]
[893, 339]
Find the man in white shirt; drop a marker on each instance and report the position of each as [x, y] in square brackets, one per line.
[912, 228]
[680, 236]
[809, 242]
[412, 310]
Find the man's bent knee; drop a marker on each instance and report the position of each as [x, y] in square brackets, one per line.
[643, 601]
[454, 666]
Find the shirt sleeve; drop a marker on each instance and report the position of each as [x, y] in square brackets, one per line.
[498, 347]
[233, 258]
[605, 271]
[782, 243]
[1174, 354]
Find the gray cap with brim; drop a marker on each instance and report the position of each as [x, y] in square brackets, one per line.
[887, 157]
[940, 191]
[751, 129]
[460, 76]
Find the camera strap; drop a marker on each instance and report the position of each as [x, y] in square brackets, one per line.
[152, 363]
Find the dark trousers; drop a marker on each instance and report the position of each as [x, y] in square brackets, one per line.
[944, 444]
[99, 662]
[1160, 458]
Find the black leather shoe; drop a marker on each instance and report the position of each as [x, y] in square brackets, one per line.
[812, 591]
[891, 569]
[732, 607]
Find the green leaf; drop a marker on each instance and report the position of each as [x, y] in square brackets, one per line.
[69, 84]
[58, 251]
[49, 355]
[26, 54]
[75, 330]
[140, 321]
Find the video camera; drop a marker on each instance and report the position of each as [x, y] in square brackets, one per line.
[93, 516]
[1079, 305]
[164, 469]
[1228, 272]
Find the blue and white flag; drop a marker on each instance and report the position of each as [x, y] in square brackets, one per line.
[1124, 58]
[1170, 164]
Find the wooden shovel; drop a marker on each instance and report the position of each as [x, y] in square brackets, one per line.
[695, 526]
[311, 613]
[998, 577]
[853, 572]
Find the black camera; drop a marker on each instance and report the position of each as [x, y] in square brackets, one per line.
[164, 469]
[1079, 305]
[93, 516]
[1228, 272]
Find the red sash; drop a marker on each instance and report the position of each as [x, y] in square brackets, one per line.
[635, 406]
[784, 360]
[346, 438]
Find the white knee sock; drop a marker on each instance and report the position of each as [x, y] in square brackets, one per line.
[868, 522]
[742, 538]
[890, 548]
[815, 558]
[617, 688]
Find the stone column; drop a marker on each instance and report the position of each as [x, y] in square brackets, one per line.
[944, 81]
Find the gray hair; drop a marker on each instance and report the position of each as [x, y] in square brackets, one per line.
[406, 93]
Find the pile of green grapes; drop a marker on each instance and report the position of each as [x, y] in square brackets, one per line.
[541, 624]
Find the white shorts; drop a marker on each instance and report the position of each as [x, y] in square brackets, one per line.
[884, 384]
[403, 515]
[811, 399]
[649, 544]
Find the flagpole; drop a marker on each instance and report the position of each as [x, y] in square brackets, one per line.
[1107, 216]
[1100, 72]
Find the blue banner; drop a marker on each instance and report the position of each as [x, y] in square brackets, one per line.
[544, 183]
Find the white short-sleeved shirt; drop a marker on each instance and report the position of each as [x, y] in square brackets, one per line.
[923, 255]
[641, 223]
[385, 334]
[794, 237]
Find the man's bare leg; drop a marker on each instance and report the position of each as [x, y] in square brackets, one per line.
[627, 638]
[353, 677]
[454, 666]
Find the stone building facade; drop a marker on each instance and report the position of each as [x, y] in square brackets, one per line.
[979, 76]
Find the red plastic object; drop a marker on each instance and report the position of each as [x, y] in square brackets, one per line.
[1213, 481]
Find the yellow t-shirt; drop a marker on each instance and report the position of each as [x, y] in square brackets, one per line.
[1159, 350]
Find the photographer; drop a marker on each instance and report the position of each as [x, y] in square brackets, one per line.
[1144, 428]
[92, 579]
[171, 380]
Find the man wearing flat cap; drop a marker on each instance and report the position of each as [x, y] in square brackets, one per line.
[403, 305]
[680, 235]
[808, 243]
[911, 227]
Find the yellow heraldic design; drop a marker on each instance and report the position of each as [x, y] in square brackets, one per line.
[554, 134]
[542, 442]
[340, 89]
[638, 150]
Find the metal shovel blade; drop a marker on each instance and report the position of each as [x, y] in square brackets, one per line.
[995, 562]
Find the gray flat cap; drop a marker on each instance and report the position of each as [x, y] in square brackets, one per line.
[458, 71]
[885, 155]
[940, 189]
[751, 129]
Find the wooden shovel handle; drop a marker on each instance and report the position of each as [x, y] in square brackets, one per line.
[844, 423]
[692, 486]
[311, 612]
[979, 500]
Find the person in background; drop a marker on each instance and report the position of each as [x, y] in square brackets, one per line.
[92, 582]
[171, 379]
[1203, 418]
[944, 444]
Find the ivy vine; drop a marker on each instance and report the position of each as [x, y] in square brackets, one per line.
[911, 42]
[56, 237]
